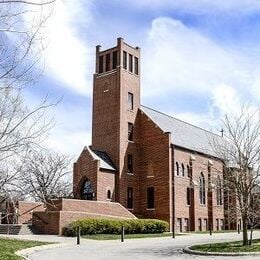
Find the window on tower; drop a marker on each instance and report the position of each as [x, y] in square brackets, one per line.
[125, 60]
[101, 61]
[136, 66]
[114, 60]
[129, 197]
[129, 163]
[150, 198]
[108, 62]
[130, 101]
[130, 132]
[130, 63]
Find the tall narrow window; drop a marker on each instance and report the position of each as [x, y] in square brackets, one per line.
[101, 61]
[87, 192]
[177, 170]
[130, 132]
[182, 170]
[219, 192]
[109, 195]
[202, 189]
[188, 170]
[150, 198]
[108, 62]
[130, 63]
[125, 60]
[114, 60]
[130, 163]
[200, 224]
[136, 66]
[188, 196]
[129, 197]
[130, 101]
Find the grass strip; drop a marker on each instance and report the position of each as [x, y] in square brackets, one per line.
[229, 247]
[127, 236]
[8, 247]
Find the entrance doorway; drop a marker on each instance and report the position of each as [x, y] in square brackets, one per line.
[87, 191]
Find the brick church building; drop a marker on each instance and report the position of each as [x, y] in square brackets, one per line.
[153, 164]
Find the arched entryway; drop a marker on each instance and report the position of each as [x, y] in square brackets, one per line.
[87, 191]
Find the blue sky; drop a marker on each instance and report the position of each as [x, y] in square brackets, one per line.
[200, 59]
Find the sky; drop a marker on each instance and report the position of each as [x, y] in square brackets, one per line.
[199, 59]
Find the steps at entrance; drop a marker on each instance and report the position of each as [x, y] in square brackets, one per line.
[10, 229]
[15, 229]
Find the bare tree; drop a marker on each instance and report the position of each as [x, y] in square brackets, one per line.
[21, 127]
[241, 155]
[22, 40]
[46, 175]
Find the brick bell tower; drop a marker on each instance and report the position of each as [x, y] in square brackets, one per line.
[116, 100]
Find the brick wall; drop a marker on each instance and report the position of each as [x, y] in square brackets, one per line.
[84, 168]
[154, 168]
[25, 210]
[196, 211]
[106, 180]
[111, 113]
[47, 222]
[64, 211]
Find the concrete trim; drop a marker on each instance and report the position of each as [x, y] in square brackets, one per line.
[188, 250]
[25, 253]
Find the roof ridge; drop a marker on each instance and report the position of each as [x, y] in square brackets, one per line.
[182, 121]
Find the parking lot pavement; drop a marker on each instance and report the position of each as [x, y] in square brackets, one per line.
[148, 248]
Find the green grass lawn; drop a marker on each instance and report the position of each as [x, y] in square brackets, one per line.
[8, 247]
[127, 236]
[229, 247]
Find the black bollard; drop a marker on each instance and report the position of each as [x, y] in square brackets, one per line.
[238, 228]
[78, 235]
[122, 234]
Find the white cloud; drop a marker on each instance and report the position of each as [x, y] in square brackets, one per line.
[226, 100]
[178, 58]
[67, 57]
[71, 142]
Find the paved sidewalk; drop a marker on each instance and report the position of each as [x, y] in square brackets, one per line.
[137, 249]
[43, 238]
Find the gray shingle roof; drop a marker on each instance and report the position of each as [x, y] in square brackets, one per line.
[184, 134]
[105, 161]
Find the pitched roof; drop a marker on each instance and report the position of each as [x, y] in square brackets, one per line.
[184, 134]
[105, 161]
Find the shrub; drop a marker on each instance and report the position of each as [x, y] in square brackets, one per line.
[113, 226]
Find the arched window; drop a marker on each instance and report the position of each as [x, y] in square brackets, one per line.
[109, 194]
[182, 170]
[87, 191]
[219, 192]
[177, 169]
[202, 189]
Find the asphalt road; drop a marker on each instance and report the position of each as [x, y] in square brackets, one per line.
[149, 248]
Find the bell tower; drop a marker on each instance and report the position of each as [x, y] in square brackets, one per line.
[116, 100]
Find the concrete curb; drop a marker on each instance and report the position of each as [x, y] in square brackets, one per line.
[188, 250]
[24, 253]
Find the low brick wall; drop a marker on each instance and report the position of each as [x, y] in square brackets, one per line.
[25, 210]
[52, 221]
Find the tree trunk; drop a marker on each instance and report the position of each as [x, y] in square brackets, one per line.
[251, 235]
[245, 235]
